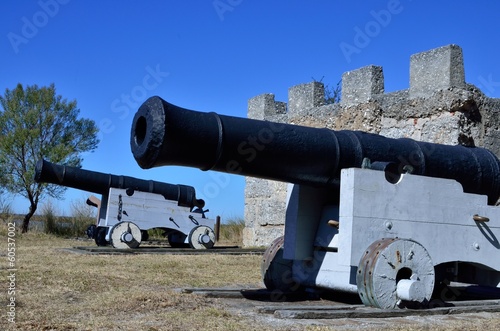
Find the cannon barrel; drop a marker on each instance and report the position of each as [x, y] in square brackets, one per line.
[97, 182]
[165, 134]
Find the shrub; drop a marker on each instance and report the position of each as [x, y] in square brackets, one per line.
[232, 230]
[82, 215]
[6, 211]
[76, 225]
[49, 216]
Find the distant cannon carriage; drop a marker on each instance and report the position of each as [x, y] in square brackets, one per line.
[130, 207]
[389, 219]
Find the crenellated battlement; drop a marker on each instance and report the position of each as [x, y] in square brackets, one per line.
[439, 106]
[438, 69]
[362, 85]
[435, 70]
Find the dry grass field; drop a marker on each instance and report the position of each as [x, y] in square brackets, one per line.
[58, 290]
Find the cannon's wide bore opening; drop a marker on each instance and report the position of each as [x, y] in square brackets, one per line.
[140, 130]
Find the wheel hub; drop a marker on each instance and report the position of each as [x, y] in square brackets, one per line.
[127, 237]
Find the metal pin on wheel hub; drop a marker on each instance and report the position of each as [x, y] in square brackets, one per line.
[204, 239]
[395, 270]
[127, 237]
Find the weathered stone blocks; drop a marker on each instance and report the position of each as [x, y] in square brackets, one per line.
[359, 86]
[437, 107]
[437, 69]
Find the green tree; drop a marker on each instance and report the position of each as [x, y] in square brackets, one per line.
[36, 123]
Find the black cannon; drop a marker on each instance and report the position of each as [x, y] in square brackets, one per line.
[164, 134]
[131, 206]
[97, 182]
[386, 218]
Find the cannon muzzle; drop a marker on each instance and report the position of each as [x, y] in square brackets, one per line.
[96, 182]
[164, 134]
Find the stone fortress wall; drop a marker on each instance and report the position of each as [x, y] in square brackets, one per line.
[439, 106]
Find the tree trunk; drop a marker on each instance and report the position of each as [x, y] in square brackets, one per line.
[27, 217]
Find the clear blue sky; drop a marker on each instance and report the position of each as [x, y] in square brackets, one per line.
[214, 55]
